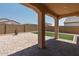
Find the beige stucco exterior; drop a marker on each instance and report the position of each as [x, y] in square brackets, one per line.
[71, 21]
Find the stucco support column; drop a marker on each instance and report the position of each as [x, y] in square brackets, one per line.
[56, 28]
[41, 30]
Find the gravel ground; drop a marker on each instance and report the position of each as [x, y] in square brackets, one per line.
[11, 43]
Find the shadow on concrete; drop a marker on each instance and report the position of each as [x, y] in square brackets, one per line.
[53, 48]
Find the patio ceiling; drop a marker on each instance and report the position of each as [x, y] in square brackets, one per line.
[56, 9]
[63, 9]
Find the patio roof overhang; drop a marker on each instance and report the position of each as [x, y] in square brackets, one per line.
[55, 10]
[58, 10]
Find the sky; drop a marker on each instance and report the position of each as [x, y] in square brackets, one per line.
[22, 14]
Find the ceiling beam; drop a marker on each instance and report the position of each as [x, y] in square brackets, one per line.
[49, 12]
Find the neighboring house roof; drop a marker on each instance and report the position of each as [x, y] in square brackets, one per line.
[8, 21]
[74, 19]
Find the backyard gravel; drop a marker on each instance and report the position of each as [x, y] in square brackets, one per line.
[10, 43]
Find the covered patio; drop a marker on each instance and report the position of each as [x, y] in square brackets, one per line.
[55, 10]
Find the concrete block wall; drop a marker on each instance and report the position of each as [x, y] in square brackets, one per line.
[19, 28]
[10, 28]
[65, 29]
[69, 29]
[2, 28]
[29, 28]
